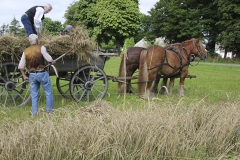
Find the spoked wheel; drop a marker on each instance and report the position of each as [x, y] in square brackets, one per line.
[13, 90]
[88, 84]
[63, 83]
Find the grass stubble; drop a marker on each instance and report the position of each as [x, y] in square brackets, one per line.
[182, 130]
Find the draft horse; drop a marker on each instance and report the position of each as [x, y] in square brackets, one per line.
[129, 64]
[169, 62]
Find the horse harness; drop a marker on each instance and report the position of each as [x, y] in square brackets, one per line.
[179, 69]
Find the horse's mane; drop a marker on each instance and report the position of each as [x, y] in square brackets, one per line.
[177, 45]
[174, 44]
[150, 47]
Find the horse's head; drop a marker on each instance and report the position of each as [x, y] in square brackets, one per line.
[199, 50]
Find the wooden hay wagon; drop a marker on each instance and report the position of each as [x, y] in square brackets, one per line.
[82, 82]
[79, 71]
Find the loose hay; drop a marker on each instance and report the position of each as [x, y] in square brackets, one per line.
[78, 41]
[13, 46]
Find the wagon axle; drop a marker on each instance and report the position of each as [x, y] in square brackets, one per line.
[88, 85]
[9, 85]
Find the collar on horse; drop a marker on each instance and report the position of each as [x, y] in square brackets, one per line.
[179, 69]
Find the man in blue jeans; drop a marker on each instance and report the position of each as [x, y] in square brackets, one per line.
[33, 58]
[32, 19]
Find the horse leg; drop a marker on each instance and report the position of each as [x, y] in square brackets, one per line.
[181, 87]
[130, 71]
[125, 69]
[155, 84]
[163, 89]
[170, 85]
[145, 77]
[122, 73]
[129, 87]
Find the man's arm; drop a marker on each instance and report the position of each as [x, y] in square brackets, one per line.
[46, 55]
[21, 67]
[38, 20]
[24, 75]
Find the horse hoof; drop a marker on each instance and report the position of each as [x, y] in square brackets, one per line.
[154, 90]
[181, 95]
[147, 96]
[130, 91]
[144, 96]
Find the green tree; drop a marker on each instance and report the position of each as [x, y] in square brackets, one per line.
[52, 27]
[14, 27]
[22, 32]
[4, 29]
[106, 20]
[81, 13]
[117, 20]
[229, 24]
[143, 30]
[179, 20]
[109, 45]
[208, 18]
[174, 20]
[128, 43]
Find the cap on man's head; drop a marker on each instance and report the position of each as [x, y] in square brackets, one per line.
[32, 38]
[68, 28]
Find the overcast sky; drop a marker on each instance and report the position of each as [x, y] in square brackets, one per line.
[11, 8]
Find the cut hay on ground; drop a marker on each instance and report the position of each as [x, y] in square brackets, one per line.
[100, 131]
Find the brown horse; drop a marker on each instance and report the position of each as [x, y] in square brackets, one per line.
[170, 62]
[129, 64]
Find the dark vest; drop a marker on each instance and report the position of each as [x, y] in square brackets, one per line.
[31, 13]
[34, 58]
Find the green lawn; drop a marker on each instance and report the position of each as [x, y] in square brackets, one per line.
[204, 124]
[214, 83]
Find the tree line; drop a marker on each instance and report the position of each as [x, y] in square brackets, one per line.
[114, 21]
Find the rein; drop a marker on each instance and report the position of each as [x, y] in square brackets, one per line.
[199, 50]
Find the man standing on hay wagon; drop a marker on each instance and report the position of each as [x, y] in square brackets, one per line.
[33, 58]
[32, 19]
[67, 31]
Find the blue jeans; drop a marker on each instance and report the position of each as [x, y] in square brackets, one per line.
[29, 27]
[43, 78]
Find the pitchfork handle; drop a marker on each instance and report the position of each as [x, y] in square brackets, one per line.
[59, 57]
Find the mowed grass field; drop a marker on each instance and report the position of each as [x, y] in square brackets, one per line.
[204, 124]
[215, 82]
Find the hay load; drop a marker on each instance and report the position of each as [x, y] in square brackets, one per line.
[78, 42]
[11, 47]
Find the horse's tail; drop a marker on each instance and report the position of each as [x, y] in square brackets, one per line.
[122, 73]
[143, 75]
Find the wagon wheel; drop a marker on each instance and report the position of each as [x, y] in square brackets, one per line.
[13, 90]
[63, 82]
[88, 84]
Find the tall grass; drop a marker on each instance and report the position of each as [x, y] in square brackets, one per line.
[100, 131]
[202, 125]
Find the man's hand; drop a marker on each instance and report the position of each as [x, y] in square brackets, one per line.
[39, 33]
[26, 79]
[53, 62]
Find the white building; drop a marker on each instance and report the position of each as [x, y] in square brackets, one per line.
[221, 52]
[142, 43]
